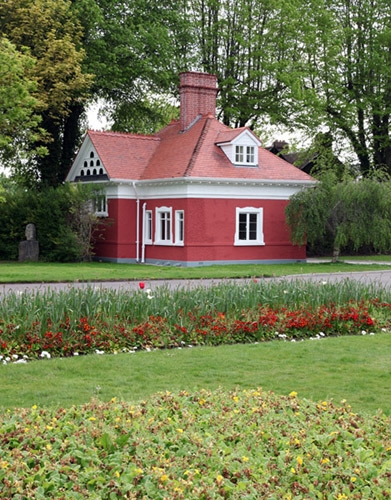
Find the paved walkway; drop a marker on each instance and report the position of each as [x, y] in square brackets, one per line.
[382, 278]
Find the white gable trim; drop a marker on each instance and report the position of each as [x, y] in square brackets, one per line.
[85, 163]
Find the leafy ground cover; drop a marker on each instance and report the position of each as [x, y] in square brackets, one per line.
[11, 272]
[196, 445]
[94, 320]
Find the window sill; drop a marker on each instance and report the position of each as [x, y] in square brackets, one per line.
[164, 243]
[244, 243]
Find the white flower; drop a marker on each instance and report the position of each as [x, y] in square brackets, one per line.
[4, 362]
[384, 330]
[321, 334]
[8, 358]
[45, 354]
[75, 353]
[363, 332]
[20, 361]
[97, 351]
[371, 333]
[131, 352]
[148, 349]
[15, 356]
[192, 346]
[293, 340]
[324, 282]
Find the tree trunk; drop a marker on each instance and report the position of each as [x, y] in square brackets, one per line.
[335, 254]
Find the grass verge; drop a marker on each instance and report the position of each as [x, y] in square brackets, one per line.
[357, 369]
[12, 272]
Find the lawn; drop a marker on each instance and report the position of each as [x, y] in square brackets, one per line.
[282, 419]
[13, 272]
[355, 368]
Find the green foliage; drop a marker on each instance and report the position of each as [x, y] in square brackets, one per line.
[350, 212]
[18, 107]
[172, 445]
[52, 35]
[56, 212]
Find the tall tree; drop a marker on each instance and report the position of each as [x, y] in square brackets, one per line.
[18, 118]
[248, 44]
[342, 79]
[52, 34]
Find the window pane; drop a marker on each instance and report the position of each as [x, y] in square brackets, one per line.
[250, 154]
[243, 226]
[253, 227]
[239, 154]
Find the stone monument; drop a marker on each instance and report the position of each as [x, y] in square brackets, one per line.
[29, 249]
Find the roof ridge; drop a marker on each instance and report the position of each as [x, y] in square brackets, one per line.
[129, 135]
[197, 147]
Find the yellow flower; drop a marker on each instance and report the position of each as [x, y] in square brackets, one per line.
[293, 394]
[325, 461]
[117, 473]
[163, 478]
[139, 471]
[186, 473]
[113, 400]
[245, 459]
[202, 401]
[219, 478]
[342, 496]
[235, 398]
[353, 479]
[49, 447]
[299, 460]
[3, 464]
[179, 431]
[92, 419]
[34, 407]
[293, 470]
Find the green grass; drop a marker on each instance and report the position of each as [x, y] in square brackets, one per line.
[94, 271]
[357, 369]
[374, 258]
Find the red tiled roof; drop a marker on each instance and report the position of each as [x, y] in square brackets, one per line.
[124, 156]
[193, 153]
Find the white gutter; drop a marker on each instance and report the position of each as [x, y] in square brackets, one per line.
[138, 223]
[143, 235]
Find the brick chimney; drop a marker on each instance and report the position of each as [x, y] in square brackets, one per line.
[198, 96]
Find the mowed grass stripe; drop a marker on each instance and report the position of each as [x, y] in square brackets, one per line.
[13, 272]
[356, 368]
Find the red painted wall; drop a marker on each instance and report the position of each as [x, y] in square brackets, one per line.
[209, 231]
[119, 233]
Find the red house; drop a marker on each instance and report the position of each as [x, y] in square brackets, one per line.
[196, 193]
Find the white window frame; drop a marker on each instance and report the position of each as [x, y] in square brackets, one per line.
[259, 234]
[179, 221]
[101, 209]
[148, 227]
[244, 152]
[158, 221]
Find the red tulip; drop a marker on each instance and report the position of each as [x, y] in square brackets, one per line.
[141, 285]
[255, 281]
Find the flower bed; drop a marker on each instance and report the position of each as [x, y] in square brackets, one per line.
[201, 445]
[98, 321]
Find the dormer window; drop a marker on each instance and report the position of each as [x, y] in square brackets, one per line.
[240, 146]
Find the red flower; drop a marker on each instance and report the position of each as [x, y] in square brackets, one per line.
[141, 284]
